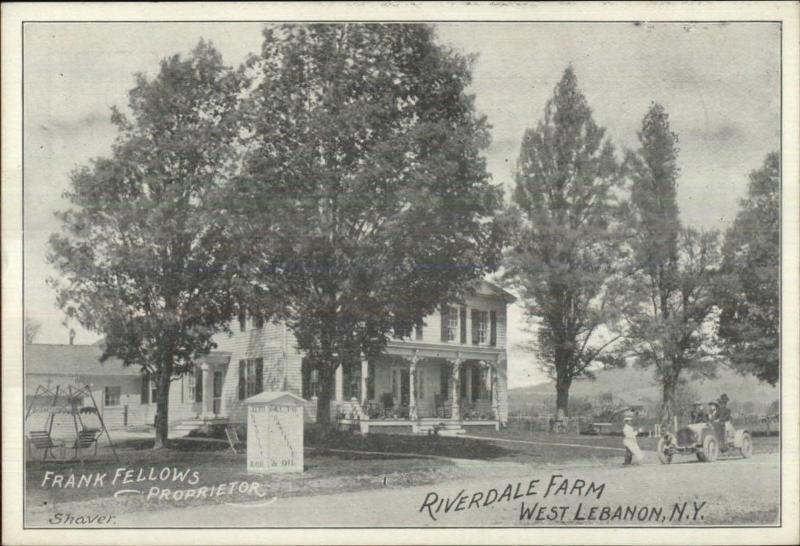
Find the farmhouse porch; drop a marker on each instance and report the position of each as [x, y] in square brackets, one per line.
[421, 388]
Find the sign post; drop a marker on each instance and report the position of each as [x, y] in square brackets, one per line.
[274, 433]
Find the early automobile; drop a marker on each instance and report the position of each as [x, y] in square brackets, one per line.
[705, 441]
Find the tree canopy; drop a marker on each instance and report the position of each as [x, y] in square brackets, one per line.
[364, 198]
[141, 256]
[750, 301]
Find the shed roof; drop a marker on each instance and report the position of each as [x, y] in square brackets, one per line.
[276, 397]
[46, 359]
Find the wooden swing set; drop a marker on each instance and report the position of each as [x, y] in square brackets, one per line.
[85, 437]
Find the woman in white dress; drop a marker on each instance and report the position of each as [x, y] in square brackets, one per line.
[633, 455]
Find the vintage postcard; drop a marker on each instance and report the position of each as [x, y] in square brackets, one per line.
[404, 273]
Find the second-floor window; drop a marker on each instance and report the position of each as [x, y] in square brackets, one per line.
[480, 327]
[449, 323]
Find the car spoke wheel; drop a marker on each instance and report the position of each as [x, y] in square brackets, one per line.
[710, 449]
[747, 446]
[664, 449]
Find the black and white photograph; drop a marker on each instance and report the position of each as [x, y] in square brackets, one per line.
[456, 267]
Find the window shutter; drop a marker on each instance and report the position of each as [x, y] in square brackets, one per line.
[242, 321]
[463, 325]
[241, 379]
[476, 321]
[145, 387]
[418, 331]
[445, 319]
[493, 326]
[259, 375]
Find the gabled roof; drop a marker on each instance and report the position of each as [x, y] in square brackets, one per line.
[486, 288]
[85, 360]
[72, 360]
[282, 398]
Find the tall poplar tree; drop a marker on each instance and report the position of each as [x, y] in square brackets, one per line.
[566, 243]
[670, 295]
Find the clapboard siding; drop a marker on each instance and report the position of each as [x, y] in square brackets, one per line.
[432, 324]
[273, 343]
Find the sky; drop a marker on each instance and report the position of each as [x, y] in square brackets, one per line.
[720, 84]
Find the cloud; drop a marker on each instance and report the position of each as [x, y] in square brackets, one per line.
[720, 133]
[70, 124]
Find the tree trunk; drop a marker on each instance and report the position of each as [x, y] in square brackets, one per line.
[162, 405]
[562, 399]
[667, 402]
[327, 386]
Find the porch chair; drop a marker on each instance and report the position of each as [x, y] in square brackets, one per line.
[85, 439]
[441, 406]
[233, 438]
[41, 439]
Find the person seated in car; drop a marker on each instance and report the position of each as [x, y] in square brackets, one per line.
[711, 413]
[697, 415]
[719, 426]
[724, 415]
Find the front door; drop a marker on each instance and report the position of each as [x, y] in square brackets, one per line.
[217, 392]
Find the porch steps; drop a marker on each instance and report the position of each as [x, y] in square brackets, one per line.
[185, 427]
[446, 427]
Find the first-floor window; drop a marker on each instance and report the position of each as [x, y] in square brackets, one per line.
[251, 377]
[420, 384]
[149, 389]
[351, 379]
[112, 396]
[310, 379]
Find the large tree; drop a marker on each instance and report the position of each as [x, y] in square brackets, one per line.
[669, 295]
[750, 301]
[566, 242]
[365, 201]
[142, 259]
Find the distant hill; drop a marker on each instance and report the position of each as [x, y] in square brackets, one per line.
[637, 386]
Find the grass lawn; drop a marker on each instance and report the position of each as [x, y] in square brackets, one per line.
[406, 460]
[213, 463]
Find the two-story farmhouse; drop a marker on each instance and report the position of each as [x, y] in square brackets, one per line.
[449, 374]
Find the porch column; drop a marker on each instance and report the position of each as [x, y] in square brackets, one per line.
[338, 378]
[412, 391]
[493, 390]
[455, 365]
[207, 394]
[364, 374]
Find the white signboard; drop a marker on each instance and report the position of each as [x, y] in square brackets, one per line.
[275, 437]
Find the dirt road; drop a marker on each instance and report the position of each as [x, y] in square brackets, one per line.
[726, 492]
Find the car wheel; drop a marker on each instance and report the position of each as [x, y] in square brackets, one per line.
[700, 455]
[664, 449]
[747, 446]
[710, 449]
